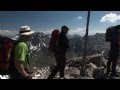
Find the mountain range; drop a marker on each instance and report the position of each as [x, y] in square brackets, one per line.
[42, 59]
[41, 56]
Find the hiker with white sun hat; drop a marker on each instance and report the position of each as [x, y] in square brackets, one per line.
[21, 54]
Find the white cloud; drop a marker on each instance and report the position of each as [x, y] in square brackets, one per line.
[80, 31]
[96, 31]
[111, 17]
[47, 31]
[79, 17]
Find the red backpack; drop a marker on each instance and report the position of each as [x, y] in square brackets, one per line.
[6, 52]
[53, 43]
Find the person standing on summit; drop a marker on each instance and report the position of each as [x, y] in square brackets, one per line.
[21, 55]
[114, 51]
[63, 45]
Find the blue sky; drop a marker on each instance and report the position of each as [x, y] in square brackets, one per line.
[46, 21]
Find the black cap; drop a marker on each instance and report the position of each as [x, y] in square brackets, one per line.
[64, 27]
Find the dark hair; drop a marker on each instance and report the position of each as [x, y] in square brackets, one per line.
[64, 27]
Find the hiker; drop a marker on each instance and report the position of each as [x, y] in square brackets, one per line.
[114, 51]
[21, 55]
[60, 54]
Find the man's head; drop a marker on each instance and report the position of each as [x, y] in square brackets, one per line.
[64, 29]
[25, 33]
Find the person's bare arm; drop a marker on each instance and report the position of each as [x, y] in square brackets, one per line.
[20, 68]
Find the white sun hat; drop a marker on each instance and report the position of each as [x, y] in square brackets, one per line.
[25, 30]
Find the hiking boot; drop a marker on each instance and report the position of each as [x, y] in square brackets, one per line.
[114, 75]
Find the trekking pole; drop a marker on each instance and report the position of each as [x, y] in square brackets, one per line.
[85, 45]
[101, 63]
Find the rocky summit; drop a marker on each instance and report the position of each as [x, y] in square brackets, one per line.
[42, 60]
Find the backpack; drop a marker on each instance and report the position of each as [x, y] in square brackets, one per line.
[6, 54]
[53, 43]
[108, 35]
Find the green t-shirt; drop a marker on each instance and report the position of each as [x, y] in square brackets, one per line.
[21, 53]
